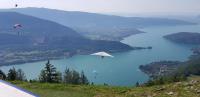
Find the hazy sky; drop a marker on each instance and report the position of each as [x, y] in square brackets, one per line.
[105, 6]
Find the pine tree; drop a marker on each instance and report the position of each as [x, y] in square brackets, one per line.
[2, 75]
[58, 77]
[49, 74]
[20, 75]
[83, 78]
[42, 77]
[75, 77]
[12, 74]
[68, 76]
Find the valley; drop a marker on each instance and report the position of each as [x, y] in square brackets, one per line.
[66, 46]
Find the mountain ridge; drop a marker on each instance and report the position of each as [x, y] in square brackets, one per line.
[52, 14]
[98, 26]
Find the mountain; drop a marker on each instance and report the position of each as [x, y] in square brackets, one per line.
[34, 27]
[42, 39]
[184, 37]
[98, 26]
[85, 19]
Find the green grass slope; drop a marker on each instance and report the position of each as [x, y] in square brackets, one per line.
[189, 88]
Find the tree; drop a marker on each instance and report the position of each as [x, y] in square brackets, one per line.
[42, 77]
[12, 74]
[49, 74]
[20, 75]
[75, 77]
[2, 75]
[137, 84]
[58, 78]
[83, 78]
[67, 76]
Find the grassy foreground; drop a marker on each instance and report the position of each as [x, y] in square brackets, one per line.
[190, 88]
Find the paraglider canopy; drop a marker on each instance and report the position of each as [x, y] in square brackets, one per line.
[102, 54]
[17, 26]
[16, 5]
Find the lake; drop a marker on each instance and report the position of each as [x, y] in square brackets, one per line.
[122, 70]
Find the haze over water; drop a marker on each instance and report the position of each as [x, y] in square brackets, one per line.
[122, 70]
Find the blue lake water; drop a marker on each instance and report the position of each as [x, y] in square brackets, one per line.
[122, 70]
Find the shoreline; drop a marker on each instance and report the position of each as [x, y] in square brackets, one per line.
[67, 56]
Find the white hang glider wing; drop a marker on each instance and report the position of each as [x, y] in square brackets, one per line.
[9, 90]
[102, 54]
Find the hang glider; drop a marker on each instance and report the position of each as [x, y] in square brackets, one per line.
[102, 54]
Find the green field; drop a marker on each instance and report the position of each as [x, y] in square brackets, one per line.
[190, 88]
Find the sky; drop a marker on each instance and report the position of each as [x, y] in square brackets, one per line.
[111, 6]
